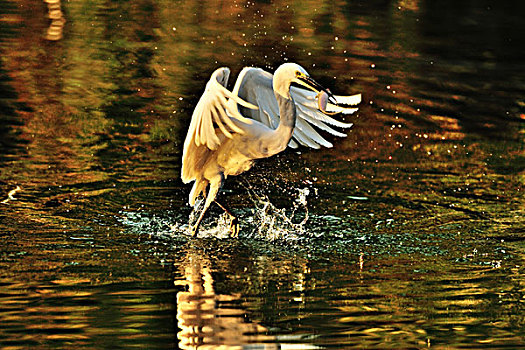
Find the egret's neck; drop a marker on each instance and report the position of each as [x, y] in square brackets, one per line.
[287, 115]
[287, 112]
[281, 86]
[277, 141]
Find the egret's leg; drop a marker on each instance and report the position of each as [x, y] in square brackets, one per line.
[234, 222]
[198, 187]
[212, 193]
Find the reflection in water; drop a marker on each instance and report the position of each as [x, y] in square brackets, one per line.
[207, 319]
[55, 14]
[10, 195]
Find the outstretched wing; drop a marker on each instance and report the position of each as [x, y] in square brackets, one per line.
[211, 122]
[213, 108]
[256, 86]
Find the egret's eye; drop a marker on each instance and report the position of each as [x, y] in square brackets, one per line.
[297, 73]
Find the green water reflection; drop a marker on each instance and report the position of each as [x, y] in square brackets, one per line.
[415, 221]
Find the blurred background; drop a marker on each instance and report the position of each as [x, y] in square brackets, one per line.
[414, 223]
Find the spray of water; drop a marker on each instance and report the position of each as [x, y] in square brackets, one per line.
[272, 223]
[260, 220]
[263, 221]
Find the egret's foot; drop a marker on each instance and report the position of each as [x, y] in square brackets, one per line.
[193, 231]
[234, 227]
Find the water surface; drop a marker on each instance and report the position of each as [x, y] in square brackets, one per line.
[407, 234]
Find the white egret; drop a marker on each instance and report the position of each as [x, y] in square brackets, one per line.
[261, 117]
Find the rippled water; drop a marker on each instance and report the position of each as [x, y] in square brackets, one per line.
[409, 233]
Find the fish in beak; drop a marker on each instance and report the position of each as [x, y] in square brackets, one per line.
[324, 95]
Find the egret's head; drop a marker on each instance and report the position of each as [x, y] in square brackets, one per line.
[289, 73]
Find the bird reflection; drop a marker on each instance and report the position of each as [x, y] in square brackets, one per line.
[208, 320]
[55, 14]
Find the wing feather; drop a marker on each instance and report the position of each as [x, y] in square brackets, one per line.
[293, 144]
[213, 108]
[352, 100]
[304, 139]
[310, 115]
[322, 126]
[305, 130]
[229, 122]
[217, 120]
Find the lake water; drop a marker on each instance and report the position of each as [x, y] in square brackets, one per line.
[409, 233]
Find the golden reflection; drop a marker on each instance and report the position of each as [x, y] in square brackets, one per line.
[207, 319]
[10, 195]
[411, 5]
[55, 14]
[449, 129]
[35, 313]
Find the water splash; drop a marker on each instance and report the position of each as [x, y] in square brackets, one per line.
[142, 222]
[218, 227]
[274, 223]
[263, 221]
[260, 220]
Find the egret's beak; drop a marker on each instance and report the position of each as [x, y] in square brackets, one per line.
[311, 84]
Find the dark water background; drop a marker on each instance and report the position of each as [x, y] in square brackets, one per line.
[415, 229]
